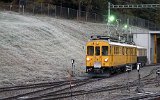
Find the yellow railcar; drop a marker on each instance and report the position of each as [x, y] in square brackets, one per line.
[105, 56]
[141, 55]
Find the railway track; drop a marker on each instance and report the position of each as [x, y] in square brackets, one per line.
[144, 81]
[35, 88]
[96, 90]
[146, 77]
[62, 89]
[20, 87]
[151, 72]
[45, 92]
[151, 96]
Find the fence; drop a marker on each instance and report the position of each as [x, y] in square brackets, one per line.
[139, 22]
[69, 13]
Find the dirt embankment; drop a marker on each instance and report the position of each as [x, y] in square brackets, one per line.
[40, 48]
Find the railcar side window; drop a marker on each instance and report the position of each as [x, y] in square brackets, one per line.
[123, 51]
[97, 51]
[110, 50]
[104, 50]
[90, 50]
[145, 52]
[126, 51]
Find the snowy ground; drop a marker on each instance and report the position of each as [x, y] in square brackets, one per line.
[39, 48]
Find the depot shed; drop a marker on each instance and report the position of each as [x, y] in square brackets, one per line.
[151, 41]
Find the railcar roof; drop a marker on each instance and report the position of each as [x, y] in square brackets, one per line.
[122, 44]
[140, 47]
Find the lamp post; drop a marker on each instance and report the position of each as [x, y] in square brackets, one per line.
[118, 23]
[111, 19]
[128, 30]
[129, 33]
[125, 27]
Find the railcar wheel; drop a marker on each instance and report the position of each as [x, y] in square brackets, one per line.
[108, 74]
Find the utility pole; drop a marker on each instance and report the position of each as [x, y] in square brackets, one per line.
[118, 23]
[109, 13]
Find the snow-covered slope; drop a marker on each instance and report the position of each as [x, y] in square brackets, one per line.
[34, 49]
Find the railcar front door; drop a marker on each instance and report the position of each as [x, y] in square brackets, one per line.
[97, 58]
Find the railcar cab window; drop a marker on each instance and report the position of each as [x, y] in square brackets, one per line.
[97, 49]
[90, 50]
[104, 50]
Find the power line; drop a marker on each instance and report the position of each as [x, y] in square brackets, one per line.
[132, 6]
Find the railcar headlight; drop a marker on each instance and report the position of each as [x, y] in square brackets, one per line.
[88, 59]
[106, 59]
